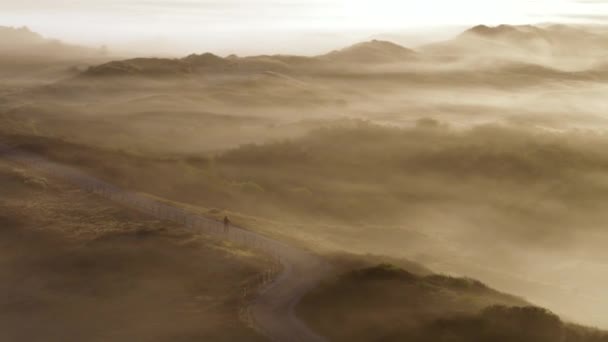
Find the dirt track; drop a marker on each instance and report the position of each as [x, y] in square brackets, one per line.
[273, 309]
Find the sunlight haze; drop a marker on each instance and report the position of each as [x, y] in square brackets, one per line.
[263, 26]
[310, 170]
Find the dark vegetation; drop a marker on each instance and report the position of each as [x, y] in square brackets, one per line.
[385, 303]
[451, 199]
[370, 174]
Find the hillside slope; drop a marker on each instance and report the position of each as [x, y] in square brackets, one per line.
[75, 267]
[385, 303]
[567, 46]
[372, 52]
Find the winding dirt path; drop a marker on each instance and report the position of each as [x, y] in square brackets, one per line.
[273, 309]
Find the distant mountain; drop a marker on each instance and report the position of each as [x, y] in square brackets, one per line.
[27, 56]
[142, 67]
[10, 36]
[524, 41]
[193, 64]
[24, 42]
[207, 61]
[372, 52]
[515, 33]
[375, 51]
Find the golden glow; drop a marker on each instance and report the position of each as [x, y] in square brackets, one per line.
[220, 24]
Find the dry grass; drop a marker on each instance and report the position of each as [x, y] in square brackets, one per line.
[75, 268]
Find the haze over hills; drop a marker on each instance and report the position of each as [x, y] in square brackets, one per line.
[10, 36]
[366, 53]
[559, 46]
[553, 46]
[217, 87]
[563, 45]
[26, 43]
[27, 56]
[554, 39]
[474, 156]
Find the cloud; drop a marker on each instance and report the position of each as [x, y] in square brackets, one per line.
[587, 17]
[594, 2]
[267, 25]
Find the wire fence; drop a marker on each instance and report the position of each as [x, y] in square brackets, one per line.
[277, 251]
[291, 273]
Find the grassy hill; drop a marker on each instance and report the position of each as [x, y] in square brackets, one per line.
[386, 303]
[372, 52]
[75, 267]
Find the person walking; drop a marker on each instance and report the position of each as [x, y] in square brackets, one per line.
[226, 224]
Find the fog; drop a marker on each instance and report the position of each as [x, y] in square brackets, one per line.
[481, 156]
[163, 27]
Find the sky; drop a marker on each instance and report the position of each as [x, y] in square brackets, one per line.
[261, 26]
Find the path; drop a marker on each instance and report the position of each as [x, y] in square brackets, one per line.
[273, 309]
